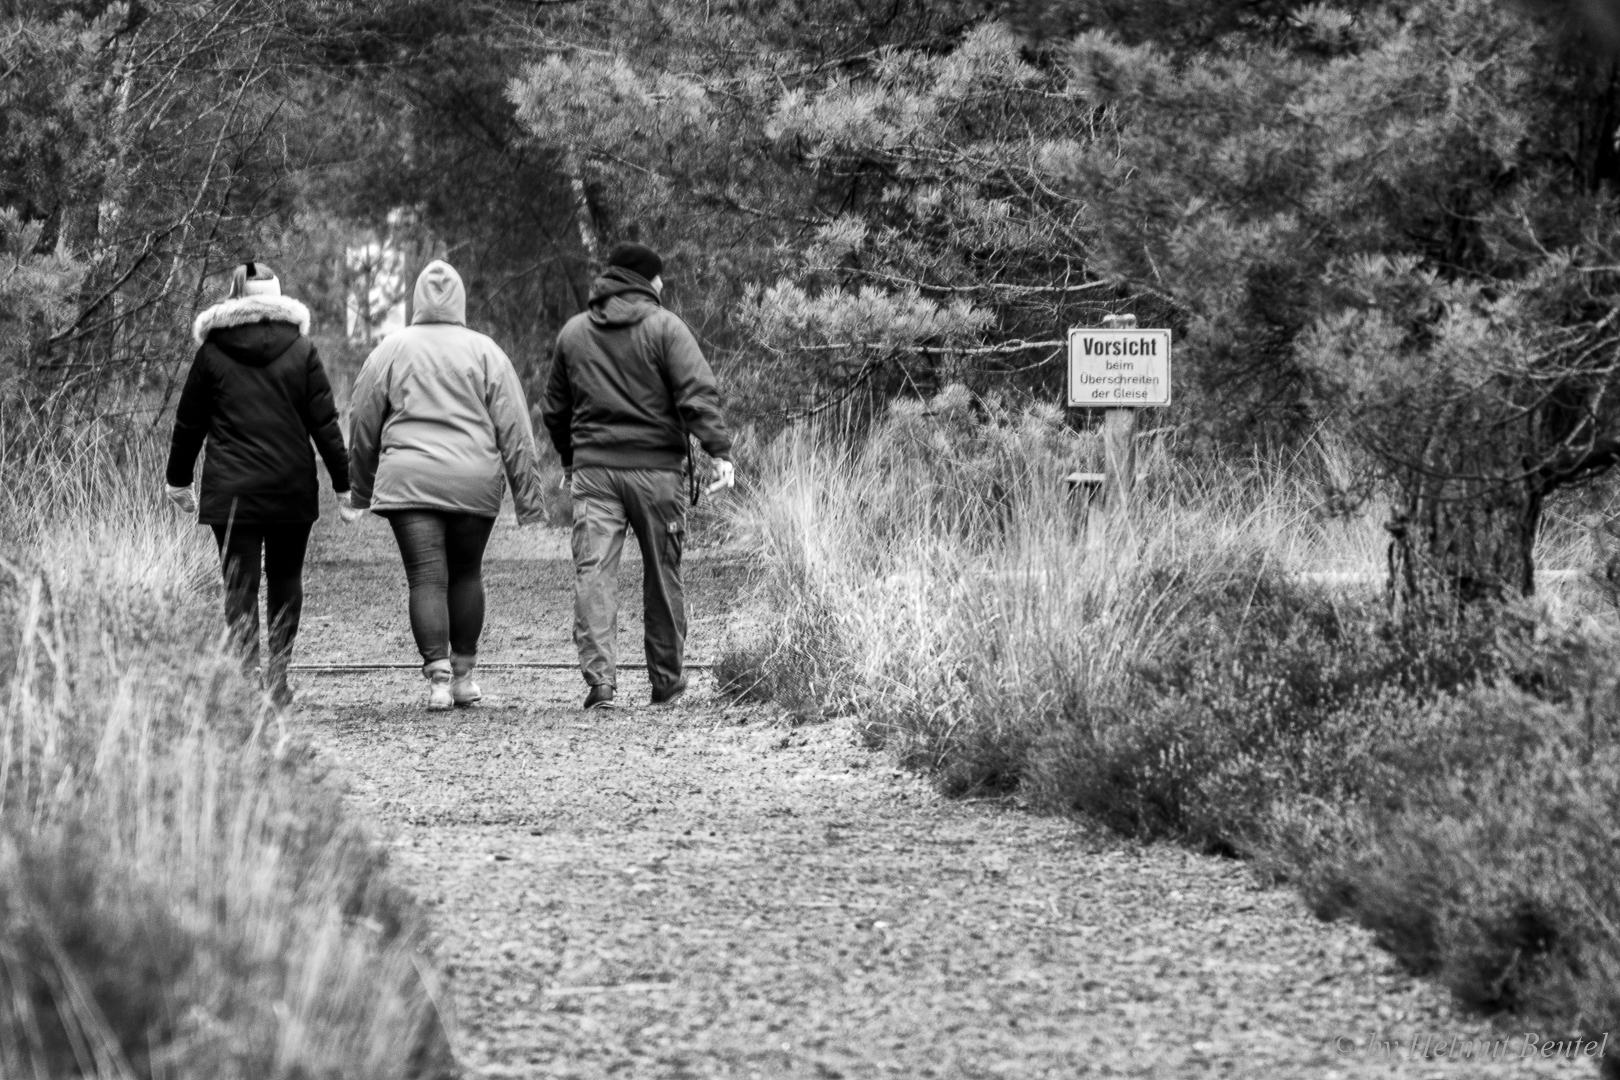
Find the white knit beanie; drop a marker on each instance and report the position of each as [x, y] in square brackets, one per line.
[254, 279]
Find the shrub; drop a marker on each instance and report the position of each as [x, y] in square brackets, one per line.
[1452, 782]
[1261, 690]
[854, 537]
[939, 583]
[179, 896]
[792, 661]
[85, 962]
[1493, 864]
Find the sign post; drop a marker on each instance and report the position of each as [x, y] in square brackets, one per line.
[1119, 369]
[1119, 457]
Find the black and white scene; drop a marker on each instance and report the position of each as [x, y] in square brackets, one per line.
[809, 539]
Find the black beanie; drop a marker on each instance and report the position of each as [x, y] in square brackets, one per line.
[638, 259]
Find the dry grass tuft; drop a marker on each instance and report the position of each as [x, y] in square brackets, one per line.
[179, 897]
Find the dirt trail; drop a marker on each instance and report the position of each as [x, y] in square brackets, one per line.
[702, 891]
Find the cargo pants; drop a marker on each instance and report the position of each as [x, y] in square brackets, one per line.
[653, 503]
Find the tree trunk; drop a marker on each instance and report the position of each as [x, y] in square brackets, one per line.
[1460, 541]
[584, 215]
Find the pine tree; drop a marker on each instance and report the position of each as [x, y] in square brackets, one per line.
[830, 182]
[1395, 219]
[147, 144]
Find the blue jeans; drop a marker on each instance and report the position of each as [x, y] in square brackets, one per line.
[444, 563]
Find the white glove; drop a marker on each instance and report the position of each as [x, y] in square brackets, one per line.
[347, 510]
[725, 476]
[182, 498]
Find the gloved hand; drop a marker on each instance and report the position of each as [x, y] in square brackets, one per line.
[725, 476]
[347, 510]
[183, 498]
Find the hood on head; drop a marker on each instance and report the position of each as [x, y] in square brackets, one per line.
[621, 297]
[440, 296]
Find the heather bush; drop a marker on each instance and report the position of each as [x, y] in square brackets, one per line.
[1490, 861]
[1216, 667]
[1484, 853]
[1263, 690]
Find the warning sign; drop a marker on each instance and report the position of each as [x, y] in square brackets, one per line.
[1119, 368]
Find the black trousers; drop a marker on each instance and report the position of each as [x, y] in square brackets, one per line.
[444, 563]
[281, 549]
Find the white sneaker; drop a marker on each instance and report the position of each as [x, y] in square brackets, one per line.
[439, 678]
[463, 691]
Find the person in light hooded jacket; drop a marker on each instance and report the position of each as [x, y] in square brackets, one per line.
[438, 428]
[257, 395]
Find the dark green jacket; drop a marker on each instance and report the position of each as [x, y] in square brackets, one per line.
[624, 377]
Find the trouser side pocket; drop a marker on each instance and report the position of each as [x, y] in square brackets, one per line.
[674, 543]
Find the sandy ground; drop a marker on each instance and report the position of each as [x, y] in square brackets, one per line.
[705, 891]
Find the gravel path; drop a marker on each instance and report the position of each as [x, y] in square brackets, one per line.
[703, 891]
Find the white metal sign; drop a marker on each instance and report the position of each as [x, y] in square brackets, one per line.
[1119, 368]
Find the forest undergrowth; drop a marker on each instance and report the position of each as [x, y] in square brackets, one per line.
[1220, 669]
[180, 896]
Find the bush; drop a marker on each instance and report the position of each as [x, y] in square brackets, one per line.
[1261, 690]
[83, 959]
[787, 667]
[179, 895]
[938, 582]
[1491, 859]
[1452, 783]
[794, 657]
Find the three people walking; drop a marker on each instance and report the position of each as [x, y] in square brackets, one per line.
[438, 430]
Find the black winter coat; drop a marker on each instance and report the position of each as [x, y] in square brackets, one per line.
[257, 393]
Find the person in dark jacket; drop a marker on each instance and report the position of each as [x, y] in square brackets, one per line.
[628, 386]
[257, 394]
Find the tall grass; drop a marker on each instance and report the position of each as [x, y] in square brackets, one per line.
[1216, 666]
[939, 582]
[179, 896]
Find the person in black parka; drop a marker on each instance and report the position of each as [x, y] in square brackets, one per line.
[257, 394]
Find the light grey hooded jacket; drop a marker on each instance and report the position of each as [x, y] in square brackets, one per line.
[438, 416]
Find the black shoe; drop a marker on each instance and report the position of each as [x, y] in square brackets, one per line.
[600, 697]
[669, 695]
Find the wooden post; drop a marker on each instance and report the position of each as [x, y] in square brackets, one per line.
[1119, 441]
[1119, 458]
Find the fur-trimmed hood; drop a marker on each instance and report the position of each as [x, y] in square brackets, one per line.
[246, 310]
